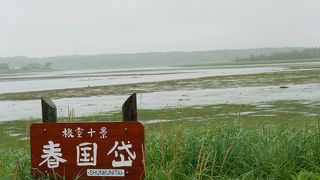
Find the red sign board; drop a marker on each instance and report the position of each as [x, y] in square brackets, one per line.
[94, 150]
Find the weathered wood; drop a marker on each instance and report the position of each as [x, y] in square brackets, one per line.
[49, 110]
[129, 109]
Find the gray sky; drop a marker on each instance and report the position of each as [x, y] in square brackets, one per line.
[63, 27]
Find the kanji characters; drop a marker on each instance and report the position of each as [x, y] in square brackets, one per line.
[87, 151]
[67, 133]
[91, 132]
[103, 132]
[122, 162]
[79, 132]
[52, 155]
[87, 154]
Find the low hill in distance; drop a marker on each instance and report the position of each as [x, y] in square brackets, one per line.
[152, 59]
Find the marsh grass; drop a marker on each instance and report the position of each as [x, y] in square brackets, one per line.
[228, 151]
[226, 145]
[232, 151]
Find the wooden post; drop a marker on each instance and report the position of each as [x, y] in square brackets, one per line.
[129, 109]
[49, 110]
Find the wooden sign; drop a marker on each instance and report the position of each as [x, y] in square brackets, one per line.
[94, 150]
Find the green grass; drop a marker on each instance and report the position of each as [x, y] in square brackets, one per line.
[295, 114]
[227, 151]
[232, 151]
[205, 142]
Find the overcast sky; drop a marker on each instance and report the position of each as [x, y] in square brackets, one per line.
[63, 27]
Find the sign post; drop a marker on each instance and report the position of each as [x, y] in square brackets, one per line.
[88, 150]
[94, 149]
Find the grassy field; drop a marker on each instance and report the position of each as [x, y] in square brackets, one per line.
[215, 152]
[206, 142]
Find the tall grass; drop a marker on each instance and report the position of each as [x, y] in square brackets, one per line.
[229, 151]
[15, 164]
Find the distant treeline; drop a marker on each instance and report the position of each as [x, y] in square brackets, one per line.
[151, 59]
[307, 53]
[32, 67]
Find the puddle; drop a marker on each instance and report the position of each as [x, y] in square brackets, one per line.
[157, 121]
[247, 113]
[263, 115]
[15, 135]
[24, 138]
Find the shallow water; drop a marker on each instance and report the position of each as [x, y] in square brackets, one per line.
[55, 81]
[97, 104]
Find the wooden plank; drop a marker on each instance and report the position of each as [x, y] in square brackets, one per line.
[126, 132]
[129, 109]
[49, 110]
